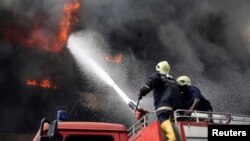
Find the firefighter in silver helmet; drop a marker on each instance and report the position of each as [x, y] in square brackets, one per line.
[166, 95]
[193, 99]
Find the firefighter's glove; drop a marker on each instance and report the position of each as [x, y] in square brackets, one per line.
[188, 113]
[139, 113]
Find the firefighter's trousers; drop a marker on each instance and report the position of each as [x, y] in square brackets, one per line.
[167, 127]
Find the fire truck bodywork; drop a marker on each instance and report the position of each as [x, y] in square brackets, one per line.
[187, 128]
[76, 131]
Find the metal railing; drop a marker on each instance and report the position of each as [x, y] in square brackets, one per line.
[196, 116]
[142, 123]
[202, 116]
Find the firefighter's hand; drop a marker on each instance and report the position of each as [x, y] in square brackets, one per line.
[139, 96]
[139, 113]
[188, 113]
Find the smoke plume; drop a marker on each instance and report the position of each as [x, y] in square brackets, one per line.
[206, 40]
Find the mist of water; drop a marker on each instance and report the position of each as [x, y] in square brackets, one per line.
[78, 47]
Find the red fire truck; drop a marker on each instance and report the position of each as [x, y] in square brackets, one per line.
[187, 128]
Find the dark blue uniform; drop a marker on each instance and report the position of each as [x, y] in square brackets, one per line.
[165, 92]
[190, 93]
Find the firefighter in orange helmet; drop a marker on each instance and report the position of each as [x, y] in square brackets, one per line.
[167, 96]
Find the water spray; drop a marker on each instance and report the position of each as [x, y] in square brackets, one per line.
[77, 45]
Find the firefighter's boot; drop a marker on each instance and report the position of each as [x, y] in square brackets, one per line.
[167, 127]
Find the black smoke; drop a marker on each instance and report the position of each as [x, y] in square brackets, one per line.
[207, 40]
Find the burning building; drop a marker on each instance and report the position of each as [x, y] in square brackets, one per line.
[36, 72]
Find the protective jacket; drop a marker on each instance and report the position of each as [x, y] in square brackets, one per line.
[190, 93]
[165, 91]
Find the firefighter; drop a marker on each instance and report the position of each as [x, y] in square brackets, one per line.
[193, 99]
[167, 96]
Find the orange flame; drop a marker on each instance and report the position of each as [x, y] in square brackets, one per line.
[44, 83]
[70, 11]
[39, 37]
[115, 59]
[31, 82]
